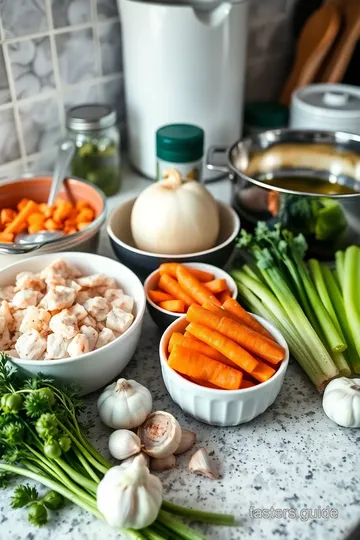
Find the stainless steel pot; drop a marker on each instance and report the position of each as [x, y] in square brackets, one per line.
[330, 220]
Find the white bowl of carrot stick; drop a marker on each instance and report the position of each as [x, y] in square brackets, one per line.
[173, 287]
[223, 365]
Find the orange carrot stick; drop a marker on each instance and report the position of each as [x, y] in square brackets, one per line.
[193, 287]
[192, 343]
[6, 238]
[224, 295]
[199, 366]
[169, 285]
[19, 223]
[159, 296]
[171, 268]
[224, 345]
[234, 307]
[221, 312]
[216, 285]
[262, 372]
[176, 306]
[204, 383]
[247, 384]
[241, 334]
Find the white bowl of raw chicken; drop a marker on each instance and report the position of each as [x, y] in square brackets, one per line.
[89, 370]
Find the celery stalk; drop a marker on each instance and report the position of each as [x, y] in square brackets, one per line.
[304, 301]
[296, 347]
[351, 293]
[332, 336]
[318, 279]
[338, 305]
[307, 346]
[340, 267]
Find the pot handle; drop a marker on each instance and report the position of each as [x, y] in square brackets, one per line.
[209, 160]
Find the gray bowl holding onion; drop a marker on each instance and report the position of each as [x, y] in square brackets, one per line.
[178, 222]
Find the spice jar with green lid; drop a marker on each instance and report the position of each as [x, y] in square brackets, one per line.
[180, 147]
[97, 155]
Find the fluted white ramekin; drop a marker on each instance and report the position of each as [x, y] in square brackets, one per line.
[221, 407]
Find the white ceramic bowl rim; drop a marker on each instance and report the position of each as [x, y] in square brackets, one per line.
[276, 333]
[183, 255]
[137, 319]
[177, 313]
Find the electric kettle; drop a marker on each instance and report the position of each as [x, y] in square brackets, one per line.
[184, 62]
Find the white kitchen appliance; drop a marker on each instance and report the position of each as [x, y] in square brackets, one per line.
[184, 62]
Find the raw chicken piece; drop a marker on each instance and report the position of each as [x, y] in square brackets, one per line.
[31, 345]
[4, 334]
[89, 321]
[64, 324]
[73, 285]
[79, 311]
[56, 347]
[113, 294]
[55, 280]
[28, 280]
[119, 320]
[35, 318]
[14, 337]
[97, 280]
[61, 268]
[7, 293]
[17, 319]
[97, 307]
[82, 297]
[12, 352]
[6, 313]
[59, 298]
[106, 336]
[126, 303]
[79, 345]
[91, 334]
[29, 297]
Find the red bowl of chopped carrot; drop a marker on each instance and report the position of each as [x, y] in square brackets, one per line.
[174, 287]
[78, 212]
[221, 364]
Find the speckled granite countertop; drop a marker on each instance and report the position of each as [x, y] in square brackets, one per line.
[280, 474]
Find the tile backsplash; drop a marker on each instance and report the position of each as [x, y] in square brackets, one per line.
[55, 54]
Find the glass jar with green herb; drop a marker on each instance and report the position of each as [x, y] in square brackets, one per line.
[97, 155]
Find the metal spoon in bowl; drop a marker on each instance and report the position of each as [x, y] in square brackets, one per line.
[66, 152]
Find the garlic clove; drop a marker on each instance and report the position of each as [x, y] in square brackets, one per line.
[160, 434]
[200, 464]
[163, 464]
[139, 458]
[188, 439]
[123, 444]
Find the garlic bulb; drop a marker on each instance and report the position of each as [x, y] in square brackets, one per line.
[124, 404]
[341, 402]
[123, 444]
[200, 464]
[142, 458]
[129, 496]
[160, 434]
[175, 216]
